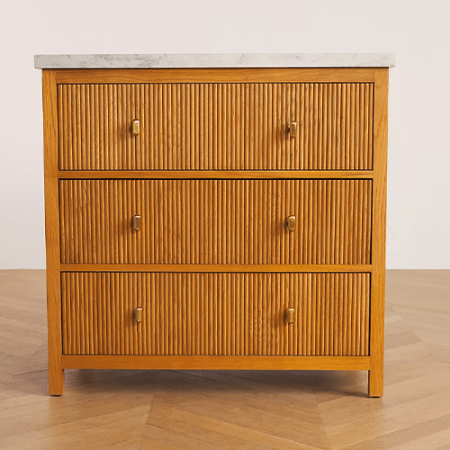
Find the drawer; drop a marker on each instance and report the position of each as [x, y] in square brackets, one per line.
[216, 221]
[216, 314]
[210, 126]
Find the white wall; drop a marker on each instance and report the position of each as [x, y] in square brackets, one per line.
[418, 234]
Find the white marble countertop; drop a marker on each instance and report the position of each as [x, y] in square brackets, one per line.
[213, 60]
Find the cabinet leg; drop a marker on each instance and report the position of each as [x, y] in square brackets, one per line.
[376, 382]
[56, 380]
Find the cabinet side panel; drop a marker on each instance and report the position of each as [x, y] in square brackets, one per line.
[379, 233]
[49, 105]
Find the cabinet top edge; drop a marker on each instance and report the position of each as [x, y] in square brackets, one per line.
[215, 60]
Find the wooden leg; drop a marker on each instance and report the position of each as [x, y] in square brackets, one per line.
[376, 382]
[55, 370]
[55, 380]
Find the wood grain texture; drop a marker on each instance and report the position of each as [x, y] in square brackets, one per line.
[216, 126]
[52, 234]
[215, 174]
[146, 362]
[263, 268]
[232, 75]
[379, 234]
[216, 221]
[216, 314]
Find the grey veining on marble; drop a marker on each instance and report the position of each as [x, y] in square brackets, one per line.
[213, 60]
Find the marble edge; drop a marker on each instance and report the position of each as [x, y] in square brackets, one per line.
[213, 60]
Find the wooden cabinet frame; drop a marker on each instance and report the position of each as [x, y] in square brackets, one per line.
[58, 362]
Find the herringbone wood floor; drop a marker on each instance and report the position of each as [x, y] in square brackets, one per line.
[231, 410]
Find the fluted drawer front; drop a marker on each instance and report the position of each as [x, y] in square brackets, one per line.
[230, 126]
[216, 221]
[216, 313]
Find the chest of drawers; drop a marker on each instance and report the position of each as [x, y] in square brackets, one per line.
[215, 218]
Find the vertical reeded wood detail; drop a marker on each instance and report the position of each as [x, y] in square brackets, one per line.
[216, 314]
[216, 221]
[216, 126]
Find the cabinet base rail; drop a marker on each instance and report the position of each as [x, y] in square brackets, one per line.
[216, 362]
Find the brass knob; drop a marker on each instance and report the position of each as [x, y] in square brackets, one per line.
[290, 313]
[137, 315]
[136, 127]
[290, 223]
[293, 129]
[136, 223]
